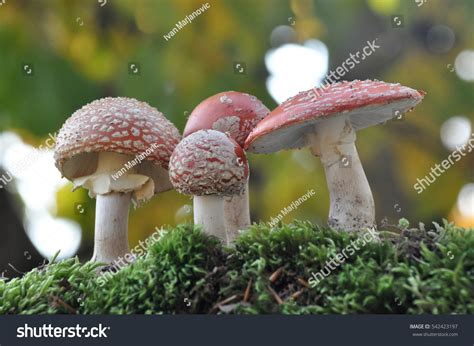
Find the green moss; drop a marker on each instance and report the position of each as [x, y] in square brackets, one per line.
[178, 266]
[52, 288]
[411, 271]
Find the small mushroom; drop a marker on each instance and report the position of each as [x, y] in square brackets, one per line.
[209, 165]
[118, 149]
[325, 120]
[236, 114]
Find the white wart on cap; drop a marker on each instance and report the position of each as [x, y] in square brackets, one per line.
[236, 114]
[209, 165]
[364, 103]
[118, 149]
[230, 112]
[208, 162]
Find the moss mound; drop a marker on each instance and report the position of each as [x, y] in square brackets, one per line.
[411, 270]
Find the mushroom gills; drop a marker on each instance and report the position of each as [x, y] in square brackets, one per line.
[112, 175]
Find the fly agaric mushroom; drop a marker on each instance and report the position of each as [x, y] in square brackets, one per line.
[209, 165]
[326, 119]
[118, 149]
[237, 114]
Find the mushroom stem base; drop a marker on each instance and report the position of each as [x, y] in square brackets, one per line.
[237, 214]
[209, 212]
[351, 202]
[111, 227]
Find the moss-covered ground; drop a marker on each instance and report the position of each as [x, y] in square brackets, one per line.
[410, 271]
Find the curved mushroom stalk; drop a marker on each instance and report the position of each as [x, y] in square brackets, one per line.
[351, 202]
[209, 212]
[111, 227]
[326, 120]
[237, 214]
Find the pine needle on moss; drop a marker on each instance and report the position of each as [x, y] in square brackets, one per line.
[411, 270]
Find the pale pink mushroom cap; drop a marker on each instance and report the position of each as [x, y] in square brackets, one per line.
[209, 162]
[231, 112]
[116, 125]
[366, 103]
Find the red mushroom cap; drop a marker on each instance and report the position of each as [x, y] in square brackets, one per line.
[209, 162]
[232, 112]
[366, 103]
[119, 125]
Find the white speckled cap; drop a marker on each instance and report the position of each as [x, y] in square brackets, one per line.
[365, 103]
[116, 125]
[209, 162]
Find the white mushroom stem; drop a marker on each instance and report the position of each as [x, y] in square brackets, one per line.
[351, 202]
[209, 212]
[237, 214]
[114, 185]
[111, 227]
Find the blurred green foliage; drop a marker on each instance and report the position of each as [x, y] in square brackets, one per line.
[81, 51]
